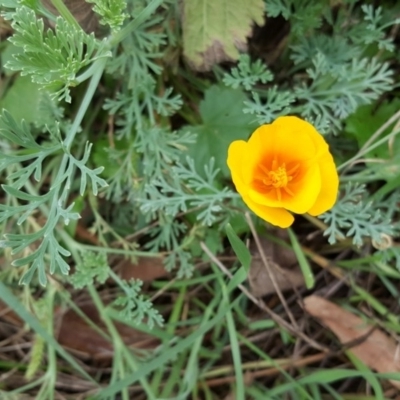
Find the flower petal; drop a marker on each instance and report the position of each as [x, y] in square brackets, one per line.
[236, 152]
[329, 186]
[259, 142]
[293, 139]
[306, 191]
[274, 215]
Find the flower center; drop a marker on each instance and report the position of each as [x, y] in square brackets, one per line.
[278, 178]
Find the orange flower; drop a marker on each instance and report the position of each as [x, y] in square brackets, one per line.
[284, 166]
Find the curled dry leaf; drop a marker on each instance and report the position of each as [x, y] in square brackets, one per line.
[282, 262]
[375, 349]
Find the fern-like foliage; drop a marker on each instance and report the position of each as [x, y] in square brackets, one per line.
[92, 268]
[52, 58]
[247, 74]
[332, 76]
[41, 244]
[135, 307]
[336, 92]
[304, 15]
[111, 12]
[356, 217]
[277, 102]
[173, 197]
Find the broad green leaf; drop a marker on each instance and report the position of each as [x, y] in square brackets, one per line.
[23, 89]
[223, 122]
[363, 124]
[367, 120]
[214, 30]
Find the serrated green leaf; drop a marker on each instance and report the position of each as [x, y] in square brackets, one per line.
[214, 30]
[223, 122]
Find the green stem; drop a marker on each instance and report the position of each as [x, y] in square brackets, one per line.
[65, 13]
[143, 16]
[93, 84]
[76, 247]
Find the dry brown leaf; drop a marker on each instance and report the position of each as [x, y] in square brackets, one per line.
[376, 349]
[280, 262]
[74, 332]
[146, 269]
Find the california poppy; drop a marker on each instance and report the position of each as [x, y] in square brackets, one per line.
[284, 167]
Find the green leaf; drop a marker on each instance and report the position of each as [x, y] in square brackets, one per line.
[238, 278]
[93, 267]
[355, 215]
[214, 30]
[240, 249]
[51, 58]
[111, 12]
[303, 262]
[247, 74]
[136, 307]
[223, 122]
[22, 88]
[367, 120]
[110, 158]
[22, 195]
[244, 256]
